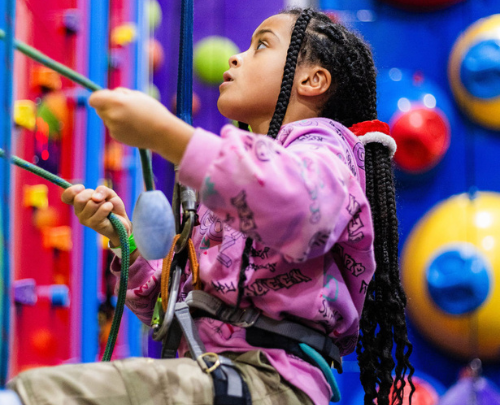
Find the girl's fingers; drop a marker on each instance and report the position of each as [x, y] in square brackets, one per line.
[103, 193]
[100, 214]
[118, 206]
[70, 193]
[101, 98]
[88, 212]
[81, 199]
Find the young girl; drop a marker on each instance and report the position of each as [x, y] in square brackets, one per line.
[292, 226]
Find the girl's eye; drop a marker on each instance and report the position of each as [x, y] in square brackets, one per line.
[261, 44]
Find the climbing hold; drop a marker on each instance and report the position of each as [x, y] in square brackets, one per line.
[43, 78]
[24, 114]
[154, 225]
[123, 34]
[211, 57]
[36, 196]
[58, 238]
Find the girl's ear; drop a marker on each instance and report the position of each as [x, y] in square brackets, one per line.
[313, 80]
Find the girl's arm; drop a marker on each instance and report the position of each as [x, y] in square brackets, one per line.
[297, 198]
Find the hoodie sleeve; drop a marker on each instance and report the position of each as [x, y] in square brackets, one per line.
[143, 286]
[292, 195]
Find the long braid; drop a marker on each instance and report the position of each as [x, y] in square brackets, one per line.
[353, 99]
[275, 125]
[298, 34]
[367, 354]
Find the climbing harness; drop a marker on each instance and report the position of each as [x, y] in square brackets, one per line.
[172, 319]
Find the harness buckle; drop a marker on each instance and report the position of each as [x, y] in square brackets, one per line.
[247, 318]
[204, 366]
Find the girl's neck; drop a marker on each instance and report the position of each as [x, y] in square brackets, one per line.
[296, 111]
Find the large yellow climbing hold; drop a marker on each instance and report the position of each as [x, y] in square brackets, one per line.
[36, 196]
[25, 114]
[123, 34]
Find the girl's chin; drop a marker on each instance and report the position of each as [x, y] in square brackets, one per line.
[229, 113]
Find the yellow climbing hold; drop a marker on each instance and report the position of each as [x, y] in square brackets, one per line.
[25, 114]
[123, 34]
[36, 196]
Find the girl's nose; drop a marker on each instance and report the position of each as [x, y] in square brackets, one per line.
[235, 60]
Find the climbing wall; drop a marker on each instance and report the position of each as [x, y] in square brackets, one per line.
[62, 287]
[43, 233]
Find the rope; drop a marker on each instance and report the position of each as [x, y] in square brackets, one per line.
[122, 233]
[185, 70]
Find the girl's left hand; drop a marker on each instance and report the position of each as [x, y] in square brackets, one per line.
[137, 119]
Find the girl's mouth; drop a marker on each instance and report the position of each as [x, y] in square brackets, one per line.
[227, 77]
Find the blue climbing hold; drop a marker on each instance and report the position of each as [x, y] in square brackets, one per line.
[480, 70]
[458, 279]
[153, 225]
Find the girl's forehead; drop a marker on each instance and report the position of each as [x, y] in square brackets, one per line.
[280, 24]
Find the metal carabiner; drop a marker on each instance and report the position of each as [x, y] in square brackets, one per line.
[161, 330]
[187, 229]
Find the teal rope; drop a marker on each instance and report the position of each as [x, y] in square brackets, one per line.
[52, 64]
[147, 169]
[122, 233]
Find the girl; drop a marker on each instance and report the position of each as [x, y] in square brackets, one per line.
[312, 210]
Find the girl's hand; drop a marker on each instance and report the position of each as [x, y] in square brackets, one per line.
[92, 208]
[132, 117]
[137, 119]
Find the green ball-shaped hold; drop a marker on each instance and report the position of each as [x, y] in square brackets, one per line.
[210, 59]
[153, 13]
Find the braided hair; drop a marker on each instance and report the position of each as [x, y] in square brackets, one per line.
[352, 98]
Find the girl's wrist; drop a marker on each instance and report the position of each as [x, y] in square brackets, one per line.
[173, 139]
[114, 243]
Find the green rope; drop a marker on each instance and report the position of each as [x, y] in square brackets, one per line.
[52, 64]
[147, 169]
[122, 233]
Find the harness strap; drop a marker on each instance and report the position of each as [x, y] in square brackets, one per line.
[229, 386]
[252, 318]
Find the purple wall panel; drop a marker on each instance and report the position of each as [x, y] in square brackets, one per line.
[234, 19]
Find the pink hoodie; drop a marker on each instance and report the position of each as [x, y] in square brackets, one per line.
[302, 199]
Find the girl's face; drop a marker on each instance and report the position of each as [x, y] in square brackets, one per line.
[251, 86]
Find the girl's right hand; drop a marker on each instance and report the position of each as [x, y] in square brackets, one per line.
[92, 208]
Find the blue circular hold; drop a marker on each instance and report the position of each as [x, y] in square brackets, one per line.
[458, 279]
[480, 70]
[59, 295]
